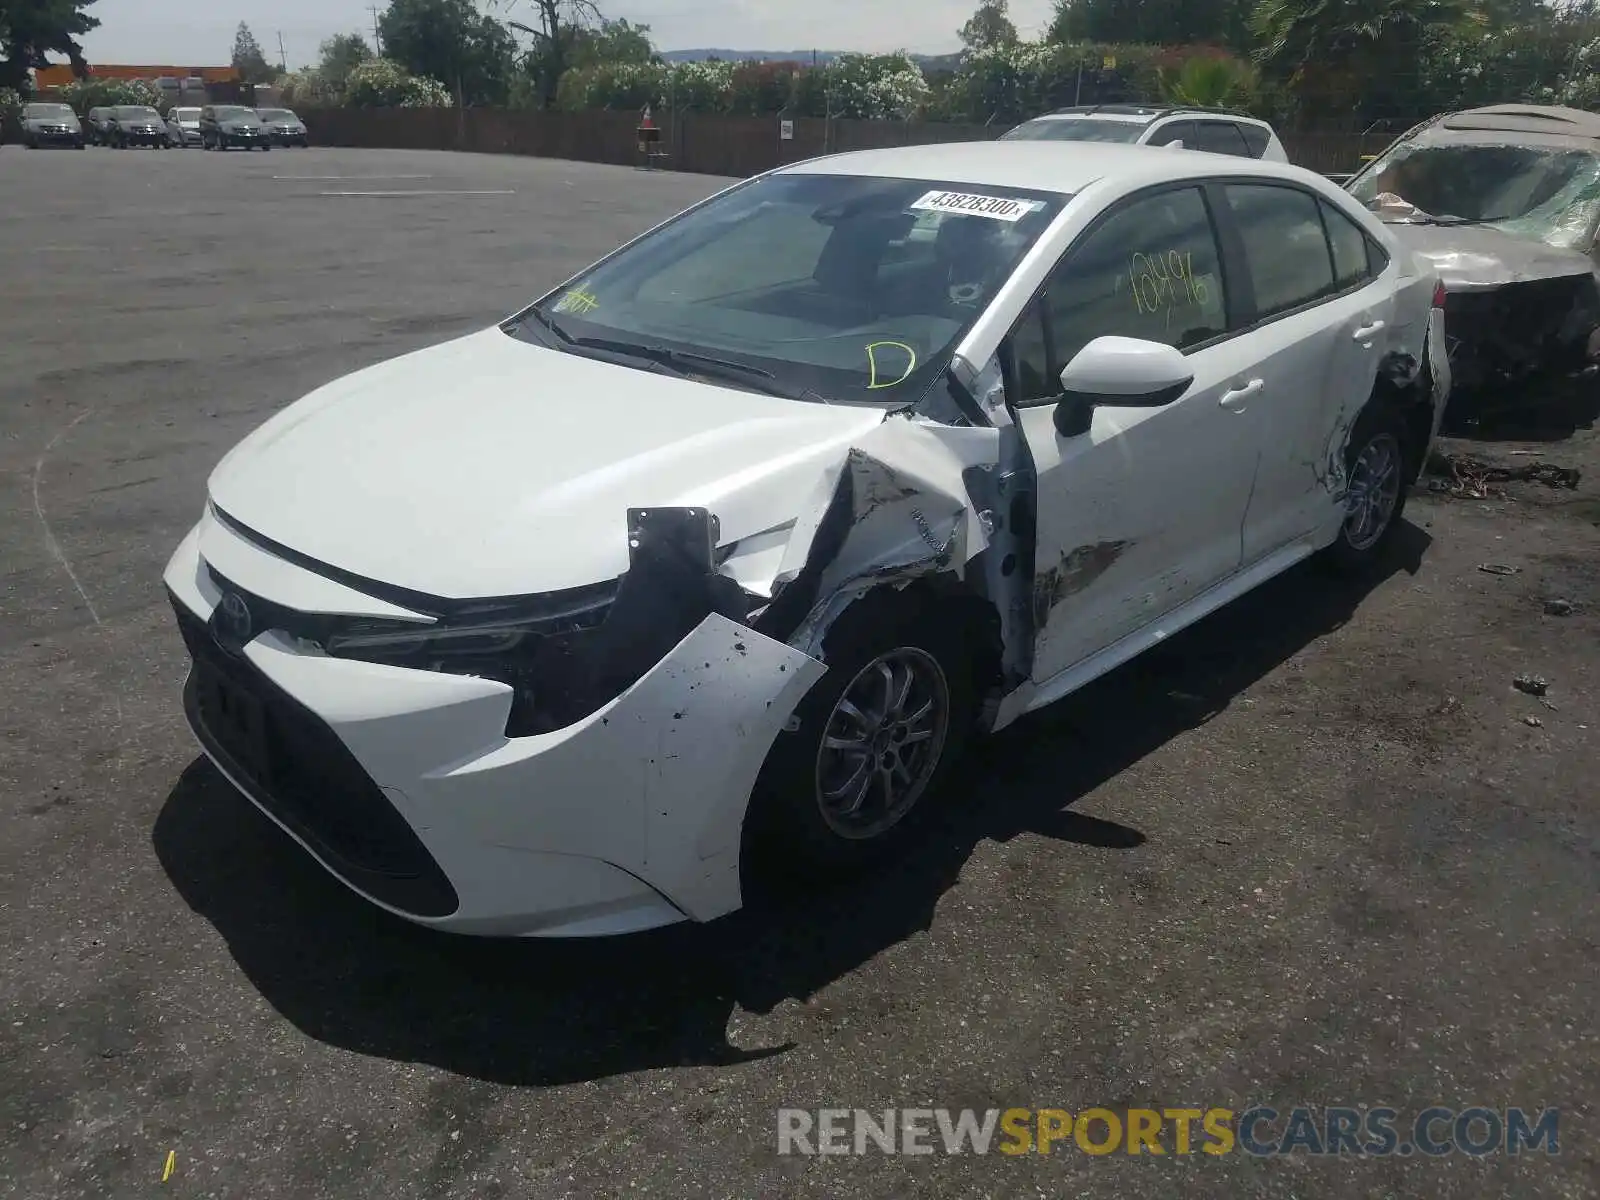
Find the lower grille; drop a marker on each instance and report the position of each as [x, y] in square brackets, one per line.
[296, 767]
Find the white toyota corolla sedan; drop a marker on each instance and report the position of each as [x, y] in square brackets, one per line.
[718, 554]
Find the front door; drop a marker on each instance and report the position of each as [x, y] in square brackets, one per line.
[1142, 512]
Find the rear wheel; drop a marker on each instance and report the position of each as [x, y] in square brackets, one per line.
[1376, 465]
[872, 743]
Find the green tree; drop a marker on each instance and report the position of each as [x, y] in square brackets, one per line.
[338, 56]
[248, 59]
[555, 31]
[32, 29]
[1209, 81]
[610, 42]
[1356, 60]
[1152, 22]
[989, 26]
[471, 53]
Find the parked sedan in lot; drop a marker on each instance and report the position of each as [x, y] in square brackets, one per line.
[183, 127]
[50, 125]
[136, 125]
[225, 125]
[1505, 203]
[712, 559]
[283, 127]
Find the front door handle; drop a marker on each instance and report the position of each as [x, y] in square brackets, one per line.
[1235, 399]
[1367, 332]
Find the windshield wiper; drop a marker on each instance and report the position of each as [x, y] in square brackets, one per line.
[689, 362]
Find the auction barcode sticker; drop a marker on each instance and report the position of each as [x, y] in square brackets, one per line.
[1000, 208]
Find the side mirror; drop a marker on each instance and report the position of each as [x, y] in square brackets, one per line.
[1119, 372]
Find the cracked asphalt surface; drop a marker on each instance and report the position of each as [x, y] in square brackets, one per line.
[1311, 852]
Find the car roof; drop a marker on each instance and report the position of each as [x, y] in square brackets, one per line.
[1064, 167]
[1526, 118]
[1147, 112]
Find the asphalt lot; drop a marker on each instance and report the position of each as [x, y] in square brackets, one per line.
[1310, 853]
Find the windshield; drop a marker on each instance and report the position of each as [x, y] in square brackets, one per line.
[136, 112]
[1551, 194]
[185, 114]
[1077, 129]
[276, 114]
[235, 114]
[35, 112]
[855, 289]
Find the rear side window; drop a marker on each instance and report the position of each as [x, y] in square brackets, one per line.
[1348, 242]
[1285, 247]
[1219, 137]
[1255, 138]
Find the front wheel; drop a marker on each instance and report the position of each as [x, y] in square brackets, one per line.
[871, 744]
[1375, 463]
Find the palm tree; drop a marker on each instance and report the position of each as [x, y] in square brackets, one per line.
[1292, 35]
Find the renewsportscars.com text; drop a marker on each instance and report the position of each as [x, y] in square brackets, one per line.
[1375, 1132]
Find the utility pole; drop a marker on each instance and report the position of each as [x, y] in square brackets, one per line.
[377, 38]
[283, 59]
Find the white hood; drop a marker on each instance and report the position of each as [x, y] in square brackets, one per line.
[489, 466]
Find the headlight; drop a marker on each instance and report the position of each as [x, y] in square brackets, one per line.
[543, 648]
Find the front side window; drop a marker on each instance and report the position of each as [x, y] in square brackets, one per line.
[1174, 131]
[1076, 129]
[856, 289]
[1285, 247]
[1151, 270]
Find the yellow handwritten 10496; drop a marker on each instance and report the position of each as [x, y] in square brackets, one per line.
[1164, 281]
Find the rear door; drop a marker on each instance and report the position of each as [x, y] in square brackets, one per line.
[1319, 322]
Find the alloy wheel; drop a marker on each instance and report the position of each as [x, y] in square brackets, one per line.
[882, 743]
[1374, 492]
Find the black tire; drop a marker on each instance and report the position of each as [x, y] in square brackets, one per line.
[787, 835]
[1379, 431]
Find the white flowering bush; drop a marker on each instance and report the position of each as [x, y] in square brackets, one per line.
[10, 105]
[877, 87]
[1012, 82]
[84, 94]
[308, 89]
[383, 83]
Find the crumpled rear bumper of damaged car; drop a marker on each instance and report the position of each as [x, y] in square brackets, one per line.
[1520, 332]
[404, 785]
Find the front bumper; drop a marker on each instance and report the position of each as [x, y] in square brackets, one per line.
[1519, 333]
[403, 784]
[287, 137]
[141, 137]
[55, 137]
[245, 138]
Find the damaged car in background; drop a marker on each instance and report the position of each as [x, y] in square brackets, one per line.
[1504, 202]
[712, 560]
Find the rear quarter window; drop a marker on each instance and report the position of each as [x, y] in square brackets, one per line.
[1255, 138]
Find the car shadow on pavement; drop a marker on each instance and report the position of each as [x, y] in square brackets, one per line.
[550, 1012]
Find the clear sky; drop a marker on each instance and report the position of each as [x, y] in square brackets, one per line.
[199, 33]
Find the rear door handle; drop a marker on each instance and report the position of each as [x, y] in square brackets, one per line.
[1367, 332]
[1234, 399]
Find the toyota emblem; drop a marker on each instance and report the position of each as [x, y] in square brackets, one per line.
[231, 622]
